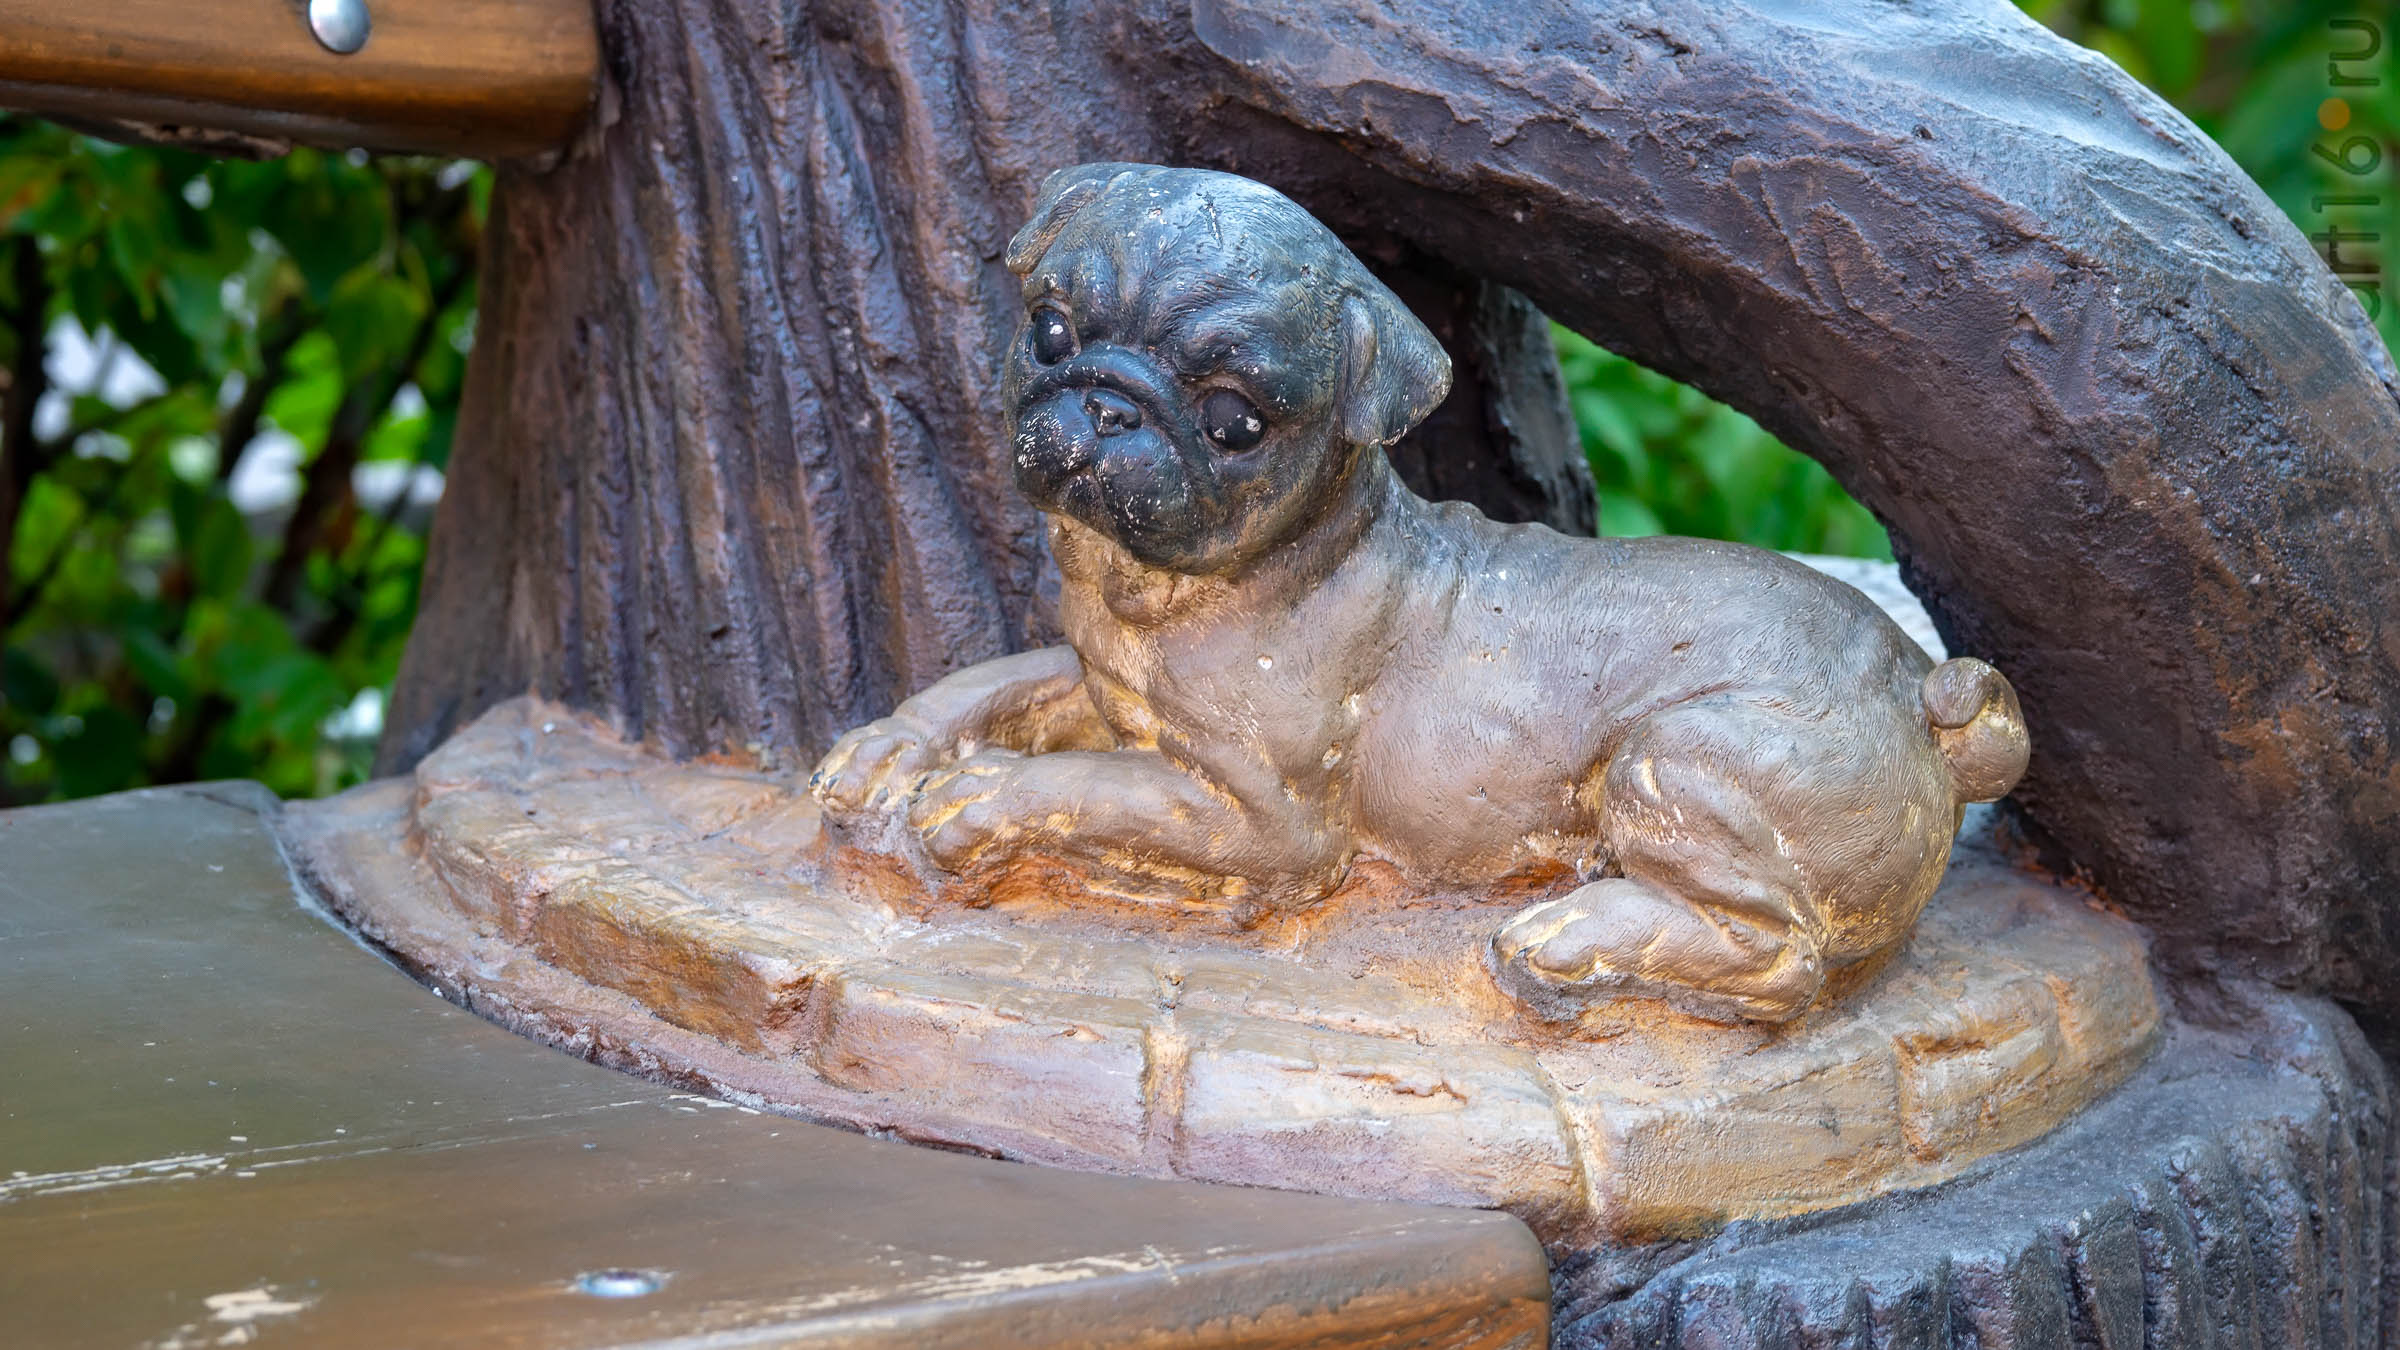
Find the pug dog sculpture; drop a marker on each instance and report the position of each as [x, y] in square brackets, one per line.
[1281, 660]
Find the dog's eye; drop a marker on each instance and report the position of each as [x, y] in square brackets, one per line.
[1228, 419]
[1053, 336]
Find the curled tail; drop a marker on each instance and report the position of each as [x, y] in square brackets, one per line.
[1975, 719]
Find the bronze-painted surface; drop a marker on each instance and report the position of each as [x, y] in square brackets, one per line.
[221, 1119]
[487, 78]
[728, 472]
[699, 922]
[1285, 664]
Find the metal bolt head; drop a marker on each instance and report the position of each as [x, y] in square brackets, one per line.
[619, 1283]
[341, 25]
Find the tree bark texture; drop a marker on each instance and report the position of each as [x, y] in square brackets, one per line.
[731, 469]
[731, 466]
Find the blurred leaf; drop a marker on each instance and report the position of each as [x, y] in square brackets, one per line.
[158, 668]
[218, 548]
[311, 390]
[2170, 38]
[329, 217]
[50, 513]
[26, 685]
[100, 751]
[136, 249]
[371, 318]
[195, 297]
[27, 180]
[1624, 518]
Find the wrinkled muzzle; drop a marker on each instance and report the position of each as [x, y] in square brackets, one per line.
[1097, 443]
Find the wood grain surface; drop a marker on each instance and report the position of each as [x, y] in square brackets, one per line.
[220, 1118]
[488, 78]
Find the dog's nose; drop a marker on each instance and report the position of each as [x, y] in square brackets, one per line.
[1112, 413]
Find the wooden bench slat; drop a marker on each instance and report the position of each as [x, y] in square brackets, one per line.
[215, 1106]
[485, 78]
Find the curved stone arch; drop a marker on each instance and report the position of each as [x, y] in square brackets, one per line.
[2135, 443]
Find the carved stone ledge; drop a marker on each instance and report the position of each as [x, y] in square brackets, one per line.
[695, 922]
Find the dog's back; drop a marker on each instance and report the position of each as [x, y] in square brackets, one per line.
[1525, 656]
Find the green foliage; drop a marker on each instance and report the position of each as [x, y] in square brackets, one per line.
[1668, 459]
[151, 630]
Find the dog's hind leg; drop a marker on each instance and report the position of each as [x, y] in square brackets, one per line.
[1713, 912]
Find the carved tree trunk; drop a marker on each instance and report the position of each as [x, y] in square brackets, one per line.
[731, 465]
[730, 468]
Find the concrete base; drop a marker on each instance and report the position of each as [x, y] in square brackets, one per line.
[699, 921]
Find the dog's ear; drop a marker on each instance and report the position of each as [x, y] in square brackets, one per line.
[1393, 371]
[1063, 194]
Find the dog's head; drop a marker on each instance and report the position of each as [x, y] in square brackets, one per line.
[1202, 363]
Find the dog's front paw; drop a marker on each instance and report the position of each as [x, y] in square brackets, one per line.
[871, 765]
[964, 811]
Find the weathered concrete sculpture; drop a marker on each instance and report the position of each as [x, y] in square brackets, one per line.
[730, 482]
[1283, 659]
[1327, 853]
